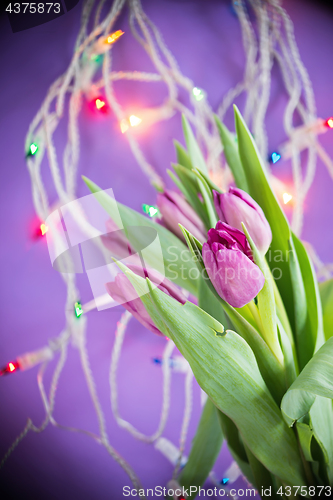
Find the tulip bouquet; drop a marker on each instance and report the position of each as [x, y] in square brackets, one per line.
[255, 327]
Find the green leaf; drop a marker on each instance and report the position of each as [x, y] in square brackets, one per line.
[186, 176]
[235, 445]
[312, 393]
[305, 435]
[289, 354]
[231, 153]
[178, 183]
[326, 295]
[208, 199]
[260, 190]
[304, 338]
[316, 379]
[266, 302]
[270, 368]
[209, 182]
[205, 449]
[321, 416]
[193, 149]
[182, 156]
[195, 248]
[262, 477]
[177, 260]
[282, 316]
[308, 312]
[208, 302]
[190, 183]
[226, 369]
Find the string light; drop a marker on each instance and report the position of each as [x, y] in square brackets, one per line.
[286, 198]
[134, 120]
[198, 93]
[11, 367]
[329, 122]
[28, 360]
[43, 229]
[78, 309]
[103, 44]
[97, 58]
[38, 229]
[275, 157]
[124, 126]
[33, 148]
[177, 363]
[99, 103]
[151, 210]
[114, 37]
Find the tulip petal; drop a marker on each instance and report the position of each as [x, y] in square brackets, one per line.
[238, 207]
[158, 279]
[217, 203]
[175, 210]
[235, 277]
[122, 291]
[232, 238]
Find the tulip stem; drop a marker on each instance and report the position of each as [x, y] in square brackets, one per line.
[306, 465]
[256, 316]
[281, 310]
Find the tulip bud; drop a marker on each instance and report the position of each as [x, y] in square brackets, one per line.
[116, 241]
[236, 207]
[122, 291]
[228, 260]
[175, 210]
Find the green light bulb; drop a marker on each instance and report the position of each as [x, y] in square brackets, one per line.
[33, 148]
[78, 309]
[151, 210]
[198, 93]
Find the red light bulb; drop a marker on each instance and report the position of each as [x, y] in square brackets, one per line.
[100, 104]
[11, 367]
[40, 229]
[329, 122]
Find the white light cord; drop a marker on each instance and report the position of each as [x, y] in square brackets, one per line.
[116, 351]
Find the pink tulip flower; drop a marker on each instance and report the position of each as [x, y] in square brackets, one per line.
[228, 260]
[236, 207]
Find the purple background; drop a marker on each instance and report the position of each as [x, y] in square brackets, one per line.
[205, 39]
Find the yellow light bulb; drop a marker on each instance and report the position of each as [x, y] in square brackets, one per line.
[99, 103]
[114, 36]
[44, 229]
[124, 126]
[134, 120]
[286, 198]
